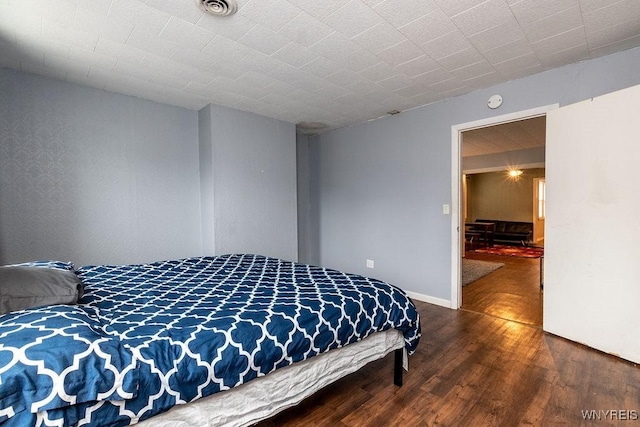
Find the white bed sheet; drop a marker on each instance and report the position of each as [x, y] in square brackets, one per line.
[266, 396]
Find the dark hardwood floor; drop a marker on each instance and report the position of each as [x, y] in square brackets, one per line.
[512, 292]
[472, 369]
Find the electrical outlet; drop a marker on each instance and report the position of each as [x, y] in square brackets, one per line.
[370, 263]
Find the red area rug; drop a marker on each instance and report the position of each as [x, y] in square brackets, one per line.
[517, 251]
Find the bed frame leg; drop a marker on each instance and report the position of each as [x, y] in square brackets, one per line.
[397, 368]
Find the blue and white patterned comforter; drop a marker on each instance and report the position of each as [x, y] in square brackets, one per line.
[148, 337]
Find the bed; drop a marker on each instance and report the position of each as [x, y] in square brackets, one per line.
[226, 340]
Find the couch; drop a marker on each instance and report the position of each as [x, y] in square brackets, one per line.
[510, 231]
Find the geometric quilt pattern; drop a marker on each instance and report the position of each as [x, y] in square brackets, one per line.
[185, 329]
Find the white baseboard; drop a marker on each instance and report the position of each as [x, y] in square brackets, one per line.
[431, 300]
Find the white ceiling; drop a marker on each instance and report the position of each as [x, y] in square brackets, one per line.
[513, 136]
[329, 61]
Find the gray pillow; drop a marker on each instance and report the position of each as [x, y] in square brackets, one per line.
[27, 287]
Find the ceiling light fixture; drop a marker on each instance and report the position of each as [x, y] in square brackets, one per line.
[219, 7]
[515, 173]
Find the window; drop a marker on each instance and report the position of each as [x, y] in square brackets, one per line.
[542, 194]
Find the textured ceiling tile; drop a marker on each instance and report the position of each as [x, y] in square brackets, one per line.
[305, 29]
[150, 42]
[485, 80]
[24, 11]
[251, 92]
[460, 59]
[279, 87]
[496, 37]
[335, 46]
[100, 7]
[396, 82]
[411, 91]
[623, 31]
[530, 12]
[258, 62]
[285, 73]
[556, 59]
[222, 48]
[81, 41]
[560, 42]
[102, 25]
[345, 78]
[319, 9]
[429, 27]
[398, 14]
[272, 14]
[197, 88]
[372, 3]
[168, 80]
[131, 70]
[418, 66]
[432, 77]
[352, 19]
[489, 14]
[455, 7]
[402, 52]
[69, 34]
[508, 51]
[447, 45]
[612, 15]
[470, 71]
[360, 59]
[231, 28]
[186, 34]
[196, 75]
[379, 37]
[119, 51]
[192, 57]
[83, 56]
[295, 55]
[554, 24]
[139, 14]
[588, 6]
[616, 47]
[160, 64]
[378, 72]
[322, 67]
[187, 11]
[263, 40]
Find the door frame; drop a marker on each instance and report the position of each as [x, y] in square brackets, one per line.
[456, 185]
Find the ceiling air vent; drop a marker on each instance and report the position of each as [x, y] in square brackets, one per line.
[220, 7]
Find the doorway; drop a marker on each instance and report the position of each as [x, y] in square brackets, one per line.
[460, 209]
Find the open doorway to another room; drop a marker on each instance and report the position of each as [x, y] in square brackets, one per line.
[502, 201]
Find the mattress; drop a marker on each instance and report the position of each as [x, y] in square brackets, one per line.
[148, 337]
[264, 397]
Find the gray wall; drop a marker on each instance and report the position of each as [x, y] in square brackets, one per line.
[494, 195]
[248, 182]
[379, 186]
[94, 177]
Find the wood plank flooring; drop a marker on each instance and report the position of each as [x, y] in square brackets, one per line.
[472, 369]
[512, 292]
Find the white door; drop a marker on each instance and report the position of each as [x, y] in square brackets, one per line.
[592, 233]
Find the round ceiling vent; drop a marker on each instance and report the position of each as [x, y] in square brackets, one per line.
[220, 7]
